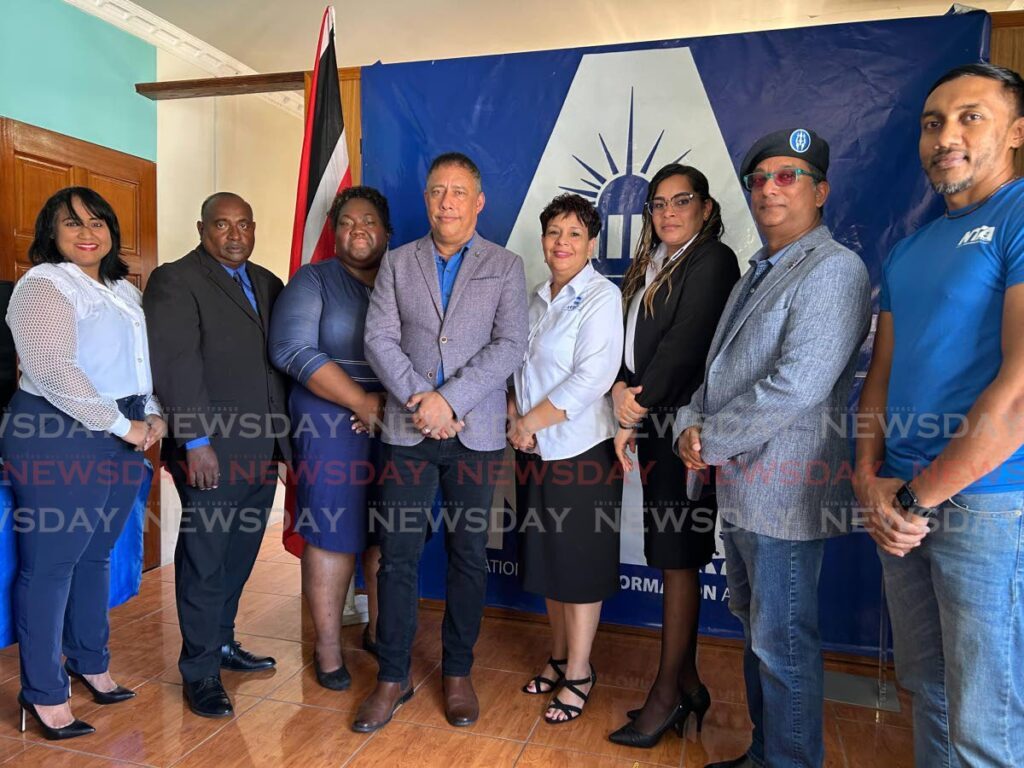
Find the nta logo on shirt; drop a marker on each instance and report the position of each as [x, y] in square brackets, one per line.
[977, 235]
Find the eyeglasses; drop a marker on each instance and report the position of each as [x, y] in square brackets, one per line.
[783, 178]
[678, 203]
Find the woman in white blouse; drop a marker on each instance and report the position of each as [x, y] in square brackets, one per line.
[84, 409]
[561, 425]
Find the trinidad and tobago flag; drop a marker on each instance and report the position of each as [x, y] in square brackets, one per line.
[324, 168]
[323, 172]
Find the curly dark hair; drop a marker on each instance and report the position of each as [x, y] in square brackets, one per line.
[577, 205]
[44, 245]
[371, 195]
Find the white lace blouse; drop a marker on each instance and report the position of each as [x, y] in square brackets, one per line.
[81, 345]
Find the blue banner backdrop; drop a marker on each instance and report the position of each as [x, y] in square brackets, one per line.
[601, 121]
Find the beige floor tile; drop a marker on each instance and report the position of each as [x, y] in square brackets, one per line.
[290, 658]
[403, 745]
[604, 713]
[505, 711]
[867, 745]
[546, 757]
[276, 734]
[304, 689]
[154, 728]
[49, 756]
[275, 578]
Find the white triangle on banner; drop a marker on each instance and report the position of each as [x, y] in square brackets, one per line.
[657, 98]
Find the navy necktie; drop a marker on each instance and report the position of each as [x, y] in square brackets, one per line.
[760, 270]
[251, 299]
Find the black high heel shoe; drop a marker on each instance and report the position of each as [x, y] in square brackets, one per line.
[551, 684]
[699, 701]
[70, 731]
[629, 736]
[100, 697]
[336, 680]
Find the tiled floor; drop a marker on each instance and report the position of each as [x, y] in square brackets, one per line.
[283, 718]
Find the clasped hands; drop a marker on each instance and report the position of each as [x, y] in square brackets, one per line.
[894, 530]
[628, 413]
[145, 434]
[520, 436]
[432, 415]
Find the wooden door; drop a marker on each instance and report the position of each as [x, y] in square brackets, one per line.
[35, 163]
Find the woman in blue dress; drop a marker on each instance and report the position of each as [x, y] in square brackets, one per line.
[316, 337]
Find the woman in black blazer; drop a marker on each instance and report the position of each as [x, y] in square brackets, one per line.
[673, 295]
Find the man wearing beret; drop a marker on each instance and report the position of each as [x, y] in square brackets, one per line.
[779, 370]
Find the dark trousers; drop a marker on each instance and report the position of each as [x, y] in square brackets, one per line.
[74, 490]
[401, 521]
[219, 538]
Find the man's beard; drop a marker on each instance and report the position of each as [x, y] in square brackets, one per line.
[952, 187]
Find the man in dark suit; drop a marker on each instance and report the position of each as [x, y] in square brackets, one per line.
[207, 315]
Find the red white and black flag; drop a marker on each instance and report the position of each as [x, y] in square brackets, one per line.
[324, 168]
[323, 172]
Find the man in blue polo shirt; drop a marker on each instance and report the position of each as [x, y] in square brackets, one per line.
[941, 470]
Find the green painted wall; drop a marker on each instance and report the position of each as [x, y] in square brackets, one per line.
[69, 72]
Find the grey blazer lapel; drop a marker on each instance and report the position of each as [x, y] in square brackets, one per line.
[775, 275]
[425, 258]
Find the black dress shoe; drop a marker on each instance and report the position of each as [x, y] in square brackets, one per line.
[69, 731]
[207, 698]
[234, 657]
[101, 697]
[336, 680]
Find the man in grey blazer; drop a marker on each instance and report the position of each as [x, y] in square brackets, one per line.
[778, 376]
[446, 327]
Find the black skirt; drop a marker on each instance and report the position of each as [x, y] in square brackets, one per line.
[678, 533]
[568, 513]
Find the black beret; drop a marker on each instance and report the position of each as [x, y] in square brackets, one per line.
[792, 142]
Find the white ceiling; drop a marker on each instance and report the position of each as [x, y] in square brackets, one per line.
[280, 35]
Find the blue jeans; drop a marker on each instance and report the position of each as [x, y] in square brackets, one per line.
[959, 634]
[773, 591]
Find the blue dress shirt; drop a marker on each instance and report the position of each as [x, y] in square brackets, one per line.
[447, 271]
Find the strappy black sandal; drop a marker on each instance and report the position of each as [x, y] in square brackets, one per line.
[539, 681]
[571, 711]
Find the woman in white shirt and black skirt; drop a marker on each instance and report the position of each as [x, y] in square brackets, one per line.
[85, 410]
[569, 491]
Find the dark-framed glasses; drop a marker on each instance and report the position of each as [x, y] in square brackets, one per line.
[678, 202]
[783, 177]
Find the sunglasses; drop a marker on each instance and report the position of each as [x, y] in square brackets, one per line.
[783, 178]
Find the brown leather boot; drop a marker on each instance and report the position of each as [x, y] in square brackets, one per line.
[379, 707]
[460, 703]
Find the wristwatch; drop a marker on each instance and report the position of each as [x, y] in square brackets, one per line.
[907, 499]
